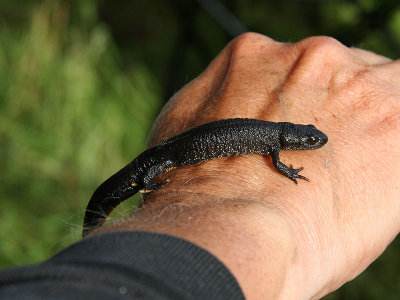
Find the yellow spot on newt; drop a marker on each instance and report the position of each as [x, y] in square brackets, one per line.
[170, 169]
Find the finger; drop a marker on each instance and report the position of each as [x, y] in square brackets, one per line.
[390, 72]
[369, 58]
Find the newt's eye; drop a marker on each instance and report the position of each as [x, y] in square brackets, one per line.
[311, 140]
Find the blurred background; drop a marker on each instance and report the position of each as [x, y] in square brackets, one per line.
[82, 81]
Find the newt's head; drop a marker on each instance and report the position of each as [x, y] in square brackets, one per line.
[301, 137]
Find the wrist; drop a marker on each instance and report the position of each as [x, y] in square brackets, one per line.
[250, 238]
[235, 216]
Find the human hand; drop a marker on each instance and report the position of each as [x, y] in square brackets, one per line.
[282, 240]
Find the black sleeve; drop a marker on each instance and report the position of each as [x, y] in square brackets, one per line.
[124, 265]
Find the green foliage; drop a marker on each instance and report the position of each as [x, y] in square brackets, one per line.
[70, 117]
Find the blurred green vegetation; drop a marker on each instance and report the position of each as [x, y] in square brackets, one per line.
[82, 81]
[71, 115]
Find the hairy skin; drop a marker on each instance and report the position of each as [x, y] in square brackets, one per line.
[280, 240]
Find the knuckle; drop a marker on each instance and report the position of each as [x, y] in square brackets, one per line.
[371, 99]
[322, 41]
[249, 38]
[360, 88]
[318, 59]
[251, 43]
[324, 46]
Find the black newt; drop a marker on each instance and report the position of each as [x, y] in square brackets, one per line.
[229, 137]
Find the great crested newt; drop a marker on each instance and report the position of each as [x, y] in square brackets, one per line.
[222, 138]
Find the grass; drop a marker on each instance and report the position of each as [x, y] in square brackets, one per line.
[69, 116]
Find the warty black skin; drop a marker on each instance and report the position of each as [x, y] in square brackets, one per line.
[228, 137]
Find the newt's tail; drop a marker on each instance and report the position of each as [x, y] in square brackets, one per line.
[106, 197]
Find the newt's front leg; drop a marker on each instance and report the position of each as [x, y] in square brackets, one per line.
[285, 170]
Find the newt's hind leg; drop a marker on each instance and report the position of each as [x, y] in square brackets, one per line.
[149, 183]
[152, 186]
